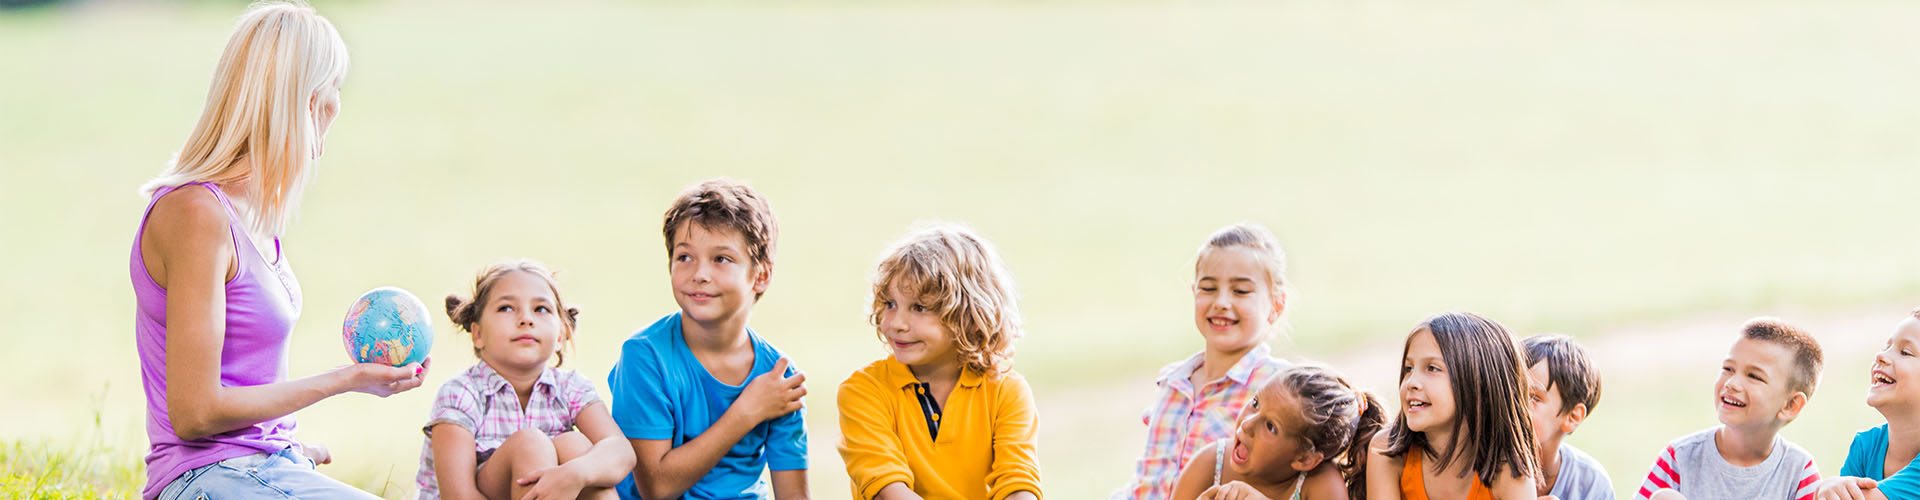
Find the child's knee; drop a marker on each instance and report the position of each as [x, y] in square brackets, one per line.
[529, 446]
[571, 445]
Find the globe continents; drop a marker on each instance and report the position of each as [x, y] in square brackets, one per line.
[387, 325]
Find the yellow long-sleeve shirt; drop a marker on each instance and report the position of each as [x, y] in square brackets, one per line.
[986, 447]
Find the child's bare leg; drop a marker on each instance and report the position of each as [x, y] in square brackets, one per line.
[573, 445]
[523, 452]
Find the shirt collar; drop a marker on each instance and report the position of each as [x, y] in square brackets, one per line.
[495, 383]
[1241, 371]
[899, 376]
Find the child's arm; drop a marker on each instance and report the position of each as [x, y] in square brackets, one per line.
[1508, 487]
[602, 466]
[1383, 472]
[1808, 481]
[876, 464]
[1016, 466]
[789, 484]
[664, 471]
[1845, 488]
[1325, 483]
[1197, 476]
[1661, 476]
[453, 462]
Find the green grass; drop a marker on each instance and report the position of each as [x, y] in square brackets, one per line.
[1562, 167]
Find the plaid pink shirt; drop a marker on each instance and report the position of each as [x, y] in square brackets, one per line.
[485, 404]
[1182, 419]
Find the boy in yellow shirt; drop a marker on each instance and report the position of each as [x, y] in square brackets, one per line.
[944, 416]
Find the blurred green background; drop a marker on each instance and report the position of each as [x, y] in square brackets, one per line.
[1641, 174]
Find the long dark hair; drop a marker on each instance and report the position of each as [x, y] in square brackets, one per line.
[1492, 432]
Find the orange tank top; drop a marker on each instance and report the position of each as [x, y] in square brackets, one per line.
[1413, 484]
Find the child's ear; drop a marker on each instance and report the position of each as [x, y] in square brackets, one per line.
[762, 275]
[1573, 418]
[1279, 305]
[1307, 460]
[1795, 403]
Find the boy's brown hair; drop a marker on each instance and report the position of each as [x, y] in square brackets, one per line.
[1807, 358]
[722, 204]
[1569, 371]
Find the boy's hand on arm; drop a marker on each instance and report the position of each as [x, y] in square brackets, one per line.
[664, 471]
[1844, 488]
[771, 394]
[1023, 495]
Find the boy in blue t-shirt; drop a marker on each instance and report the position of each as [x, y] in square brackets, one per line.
[1563, 388]
[706, 403]
[1868, 473]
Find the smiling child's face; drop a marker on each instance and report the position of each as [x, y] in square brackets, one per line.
[1425, 392]
[1753, 388]
[913, 331]
[1234, 302]
[714, 281]
[1893, 382]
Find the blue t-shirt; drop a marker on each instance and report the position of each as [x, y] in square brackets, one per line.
[660, 391]
[1867, 457]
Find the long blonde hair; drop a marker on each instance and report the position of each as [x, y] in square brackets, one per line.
[279, 56]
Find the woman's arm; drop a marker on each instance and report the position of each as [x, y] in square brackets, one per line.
[189, 235]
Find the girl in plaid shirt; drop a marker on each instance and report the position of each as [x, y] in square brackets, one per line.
[512, 426]
[1239, 292]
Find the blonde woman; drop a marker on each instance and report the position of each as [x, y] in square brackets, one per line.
[217, 300]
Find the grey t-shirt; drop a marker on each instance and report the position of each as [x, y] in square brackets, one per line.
[1693, 466]
[1581, 477]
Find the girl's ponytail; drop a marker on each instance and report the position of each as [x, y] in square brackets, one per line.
[1353, 461]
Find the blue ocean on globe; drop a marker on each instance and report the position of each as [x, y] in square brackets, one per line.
[388, 325]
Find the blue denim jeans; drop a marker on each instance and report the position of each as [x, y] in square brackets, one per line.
[282, 474]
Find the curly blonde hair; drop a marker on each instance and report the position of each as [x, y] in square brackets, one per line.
[958, 276]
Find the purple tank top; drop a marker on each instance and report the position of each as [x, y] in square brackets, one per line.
[263, 300]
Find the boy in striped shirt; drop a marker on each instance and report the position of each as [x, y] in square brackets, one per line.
[1764, 384]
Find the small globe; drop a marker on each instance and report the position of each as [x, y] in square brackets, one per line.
[388, 325]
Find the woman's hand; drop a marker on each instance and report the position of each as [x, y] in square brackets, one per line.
[382, 380]
[317, 453]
